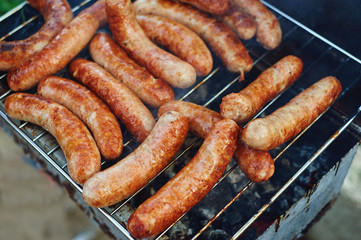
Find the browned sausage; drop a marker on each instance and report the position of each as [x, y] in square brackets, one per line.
[105, 52]
[129, 35]
[217, 7]
[286, 122]
[133, 172]
[222, 40]
[190, 184]
[269, 32]
[240, 22]
[257, 165]
[74, 138]
[123, 102]
[62, 48]
[57, 14]
[88, 108]
[178, 39]
[242, 106]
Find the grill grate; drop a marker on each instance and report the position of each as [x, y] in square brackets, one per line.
[320, 58]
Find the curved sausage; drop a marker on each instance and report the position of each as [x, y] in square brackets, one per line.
[74, 138]
[129, 35]
[121, 100]
[178, 39]
[189, 185]
[222, 40]
[88, 108]
[240, 22]
[242, 106]
[217, 7]
[269, 32]
[105, 52]
[138, 168]
[286, 122]
[257, 165]
[58, 53]
[57, 14]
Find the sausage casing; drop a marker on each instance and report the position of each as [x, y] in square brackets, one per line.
[242, 106]
[58, 53]
[178, 39]
[138, 168]
[129, 35]
[217, 7]
[105, 52]
[57, 14]
[222, 40]
[189, 185]
[74, 138]
[257, 165]
[121, 100]
[286, 122]
[88, 108]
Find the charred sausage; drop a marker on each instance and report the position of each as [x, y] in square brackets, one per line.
[58, 53]
[189, 185]
[129, 35]
[138, 168]
[74, 138]
[57, 14]
[121, 100]
[88, 108]
[243, 105]
[286, 122]
[179, 40]
[105, 52]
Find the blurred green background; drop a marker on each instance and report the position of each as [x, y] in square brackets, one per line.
[6, 5]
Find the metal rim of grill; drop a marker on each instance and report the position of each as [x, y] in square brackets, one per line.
[262, 60]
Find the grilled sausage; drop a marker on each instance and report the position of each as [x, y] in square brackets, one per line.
[138, 168]
[105, 52]
[56, 55]
[129, 35]
[57, 14]
[190, 184]
[74, 138]
[178, 39]
[240, 22]
[242, 106]
[286, 122]
[217, 7]
[222, 40]
[88, 108]
[269, 32]
[121, 100]
[257, 165]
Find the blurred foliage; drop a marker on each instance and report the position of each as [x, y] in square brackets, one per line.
[6, 5]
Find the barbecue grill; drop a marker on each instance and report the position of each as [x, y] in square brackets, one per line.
[310, 168]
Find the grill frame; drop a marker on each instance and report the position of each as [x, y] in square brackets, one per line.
[37, 139]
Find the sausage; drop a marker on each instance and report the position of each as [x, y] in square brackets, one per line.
[138, 168]
[129, 35]
[57, 14]
[88, 108]
[269, 32]
[62, 48]
[121, 100]
[179, 40]
[240, 22]
[217, 7]
[74, 138]
[286, 122]
[105, 52]
[243, 105]
[189, 185]
[222, 40]
[257, 165]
